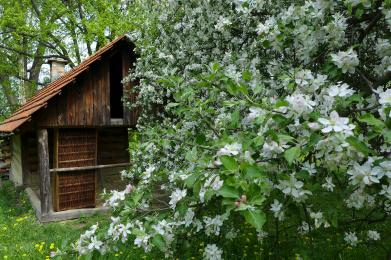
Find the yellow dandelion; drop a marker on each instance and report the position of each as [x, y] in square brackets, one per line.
[52, 246]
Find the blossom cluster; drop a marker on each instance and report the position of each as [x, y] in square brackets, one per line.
[271, 115]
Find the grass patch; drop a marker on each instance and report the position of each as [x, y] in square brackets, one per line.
[23, 237]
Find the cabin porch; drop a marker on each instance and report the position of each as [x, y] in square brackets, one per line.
[65, 170]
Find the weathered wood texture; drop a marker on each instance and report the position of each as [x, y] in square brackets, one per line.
[5, 156]
[113, 146]
[76, 190]
[85, 102]
[16, 161]
[30, 160]
[76, 148]
[44, 170]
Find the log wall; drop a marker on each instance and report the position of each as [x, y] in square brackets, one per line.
[85, 102]
[5, 157]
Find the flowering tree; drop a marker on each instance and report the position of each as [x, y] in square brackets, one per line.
[259, 117]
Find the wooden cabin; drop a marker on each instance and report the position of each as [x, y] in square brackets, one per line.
[70, 140]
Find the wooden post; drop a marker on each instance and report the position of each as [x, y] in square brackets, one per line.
[44, 171]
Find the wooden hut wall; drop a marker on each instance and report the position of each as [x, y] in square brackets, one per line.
[16, 160]
[112, 148]
[5, 156]
[86, 101]
[31, 176]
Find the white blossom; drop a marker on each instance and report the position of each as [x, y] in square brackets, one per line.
[95, 244]
[340, 90]
[304, 228]
[272, 149]
[276, 208]
[300, 104]
[176, 196]
[386, 191]
[336, 123]
[364, 174]
[351, 238]
[230, 149]
[212, 225]
[222, 22]
[329, 185]
[292, 187]
[346, 60]
[385, 97]
[212, 252]
[373, 235]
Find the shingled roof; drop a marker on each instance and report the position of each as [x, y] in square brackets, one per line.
[41, 98]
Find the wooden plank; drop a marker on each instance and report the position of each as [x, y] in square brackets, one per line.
[62, 109]
[44, 170]
[25, 162]
[70, 109]
[55, 165]
[127, 86]
[96, 93]
[79, 106]
[89, 100]
[105, 166]
[105, 93]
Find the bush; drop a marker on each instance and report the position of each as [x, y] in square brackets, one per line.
[272, 132]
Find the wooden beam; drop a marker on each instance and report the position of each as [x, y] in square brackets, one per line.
[44, 171]
[25, 165]
[72, 169]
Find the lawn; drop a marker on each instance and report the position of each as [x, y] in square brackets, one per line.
[23, 237]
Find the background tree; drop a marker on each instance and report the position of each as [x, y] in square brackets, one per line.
[32, 31]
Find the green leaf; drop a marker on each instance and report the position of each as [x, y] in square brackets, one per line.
[286, 138]
[229, 163]
[172, 104]
[246, 75]
[215, 67]
[292, 154]
[359, 12]
[189, 182]
[235, 116]
[200, 139]
[387, 136]
[257, 200]
[282, 103]
[158, 241]
[228, 192]
[371, 120]
[191, 155]
[256, 218]
[358, 145]
[252, 172]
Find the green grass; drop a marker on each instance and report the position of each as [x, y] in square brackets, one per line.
[23, 237]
